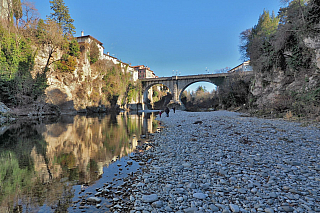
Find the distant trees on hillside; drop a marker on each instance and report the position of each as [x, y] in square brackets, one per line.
[199, 99]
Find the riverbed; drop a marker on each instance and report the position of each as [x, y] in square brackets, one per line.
[227, 162]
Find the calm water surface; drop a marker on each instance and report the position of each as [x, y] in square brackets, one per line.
[50, 167]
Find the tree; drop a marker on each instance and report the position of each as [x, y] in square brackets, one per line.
[244, 44]
[293, 15]
[49, 34]
[61, 16]
[256, 43]
[12, 9]
[17, 10]
[267, 25]
[234, 91]
[313, 18]
[30, 14]
[201, 89]
[94, 52]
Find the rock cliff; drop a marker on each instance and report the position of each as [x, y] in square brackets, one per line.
[277, 88]
[72, 91]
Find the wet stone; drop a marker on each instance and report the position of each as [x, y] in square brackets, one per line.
[93, 199]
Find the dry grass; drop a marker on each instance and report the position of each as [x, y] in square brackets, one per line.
[288, 115]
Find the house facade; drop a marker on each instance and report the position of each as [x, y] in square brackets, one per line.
[144, 72]
[245, 66]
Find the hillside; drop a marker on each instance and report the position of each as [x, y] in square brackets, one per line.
[284, 51]
[45, 70]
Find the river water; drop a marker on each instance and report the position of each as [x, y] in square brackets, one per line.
[51, 167]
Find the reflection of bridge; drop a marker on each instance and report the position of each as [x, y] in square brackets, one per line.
[177, 84]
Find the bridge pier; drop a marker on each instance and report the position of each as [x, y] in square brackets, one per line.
[177, 104]
[174, 88]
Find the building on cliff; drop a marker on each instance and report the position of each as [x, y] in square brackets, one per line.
[125, 67]
[245, 66]
[144, 72]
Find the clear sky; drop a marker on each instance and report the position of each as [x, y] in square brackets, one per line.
[171, 37]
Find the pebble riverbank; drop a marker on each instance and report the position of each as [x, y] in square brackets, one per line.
[224, 162]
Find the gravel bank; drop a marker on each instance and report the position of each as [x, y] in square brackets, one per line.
[222, 162]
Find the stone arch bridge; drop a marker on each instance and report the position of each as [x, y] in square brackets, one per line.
[177, 84]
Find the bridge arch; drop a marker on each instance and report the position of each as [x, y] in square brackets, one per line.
[147, 88]
[177, 84]
[190, 83]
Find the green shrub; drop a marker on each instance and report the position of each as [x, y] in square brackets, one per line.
[94, 52]
[74, 48]
[67, 63]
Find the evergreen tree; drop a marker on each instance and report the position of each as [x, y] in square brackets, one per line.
[267, 25]
[17, 10]
[256, 43]
[201, 89]
[313, 18]
[61, 16]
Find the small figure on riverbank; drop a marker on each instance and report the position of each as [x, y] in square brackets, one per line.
[167, 111]
[160, 113]
[174, 109]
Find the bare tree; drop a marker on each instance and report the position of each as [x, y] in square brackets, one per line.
[50, 35]
[245, 37]
[30, 15]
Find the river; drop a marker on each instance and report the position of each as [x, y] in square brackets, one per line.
[51, 166]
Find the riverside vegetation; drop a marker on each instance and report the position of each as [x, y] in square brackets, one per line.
[41, 63]
[284, 53]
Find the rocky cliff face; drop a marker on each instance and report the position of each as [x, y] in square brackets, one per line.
[71, 90]
[272, 88]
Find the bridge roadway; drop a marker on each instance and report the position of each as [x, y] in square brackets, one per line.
[177, 84]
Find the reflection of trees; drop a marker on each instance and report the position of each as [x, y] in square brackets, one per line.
[21, 139]
[13, 178]
[17, 166]
[40, 163]
[21, 148]
[85, 144]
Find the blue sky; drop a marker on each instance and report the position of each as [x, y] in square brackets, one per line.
[180, 37]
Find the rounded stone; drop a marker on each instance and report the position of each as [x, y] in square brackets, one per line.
[149, 198]
[200, 195]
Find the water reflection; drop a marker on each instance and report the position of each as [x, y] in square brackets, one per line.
[40, 163]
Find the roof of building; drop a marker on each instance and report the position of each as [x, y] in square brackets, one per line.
[100, 43]
[240, 65]
[138, 66]
[89, 36]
